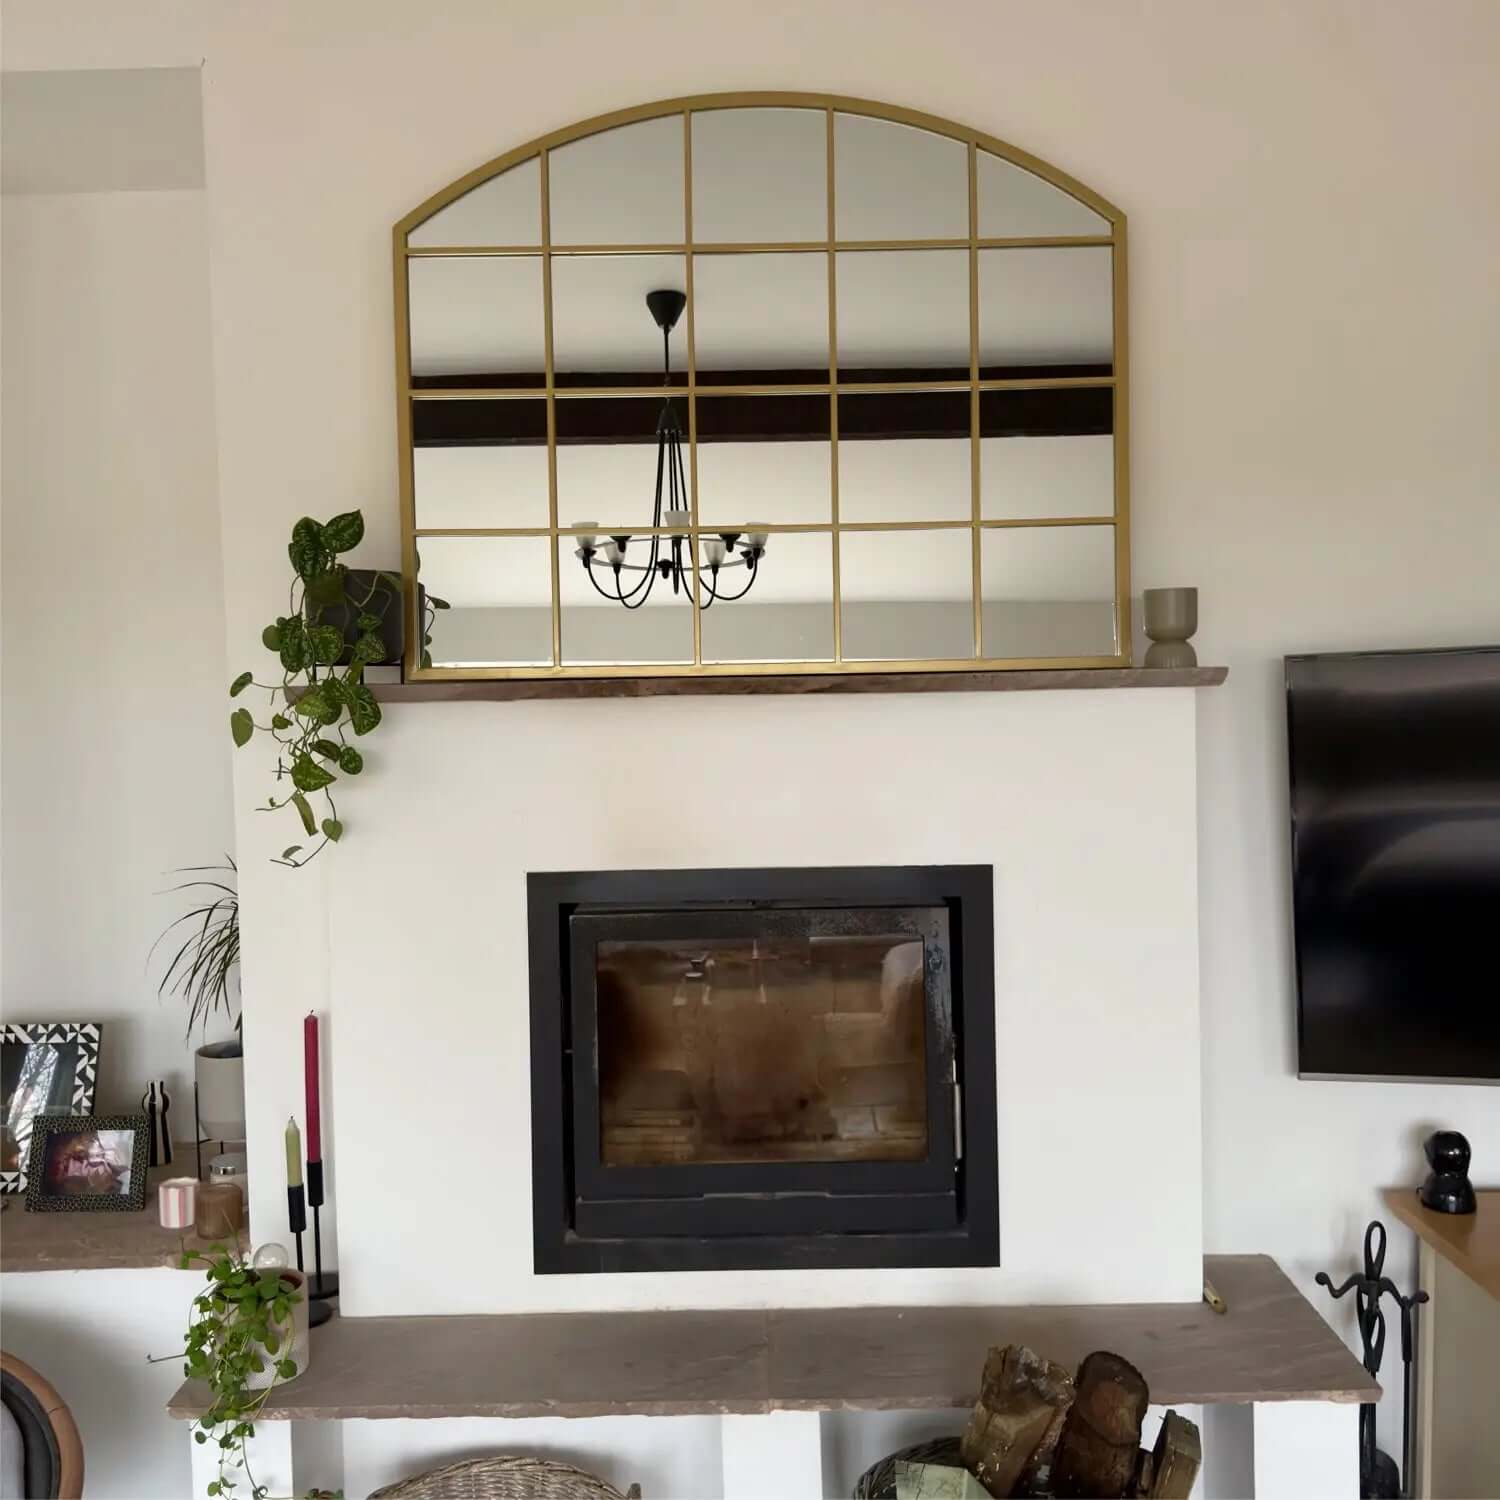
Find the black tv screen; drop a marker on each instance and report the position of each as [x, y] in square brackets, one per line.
[1395, 799]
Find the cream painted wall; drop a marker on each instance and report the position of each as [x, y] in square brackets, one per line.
[115, 768]
[1066, 794]
[1314, 317]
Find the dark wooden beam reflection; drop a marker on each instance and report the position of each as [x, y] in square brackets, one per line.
[792, 417]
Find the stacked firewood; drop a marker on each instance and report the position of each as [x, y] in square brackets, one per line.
[1036, 1430]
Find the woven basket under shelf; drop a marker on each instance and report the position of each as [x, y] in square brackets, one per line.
[505, 1478]
[878, 1482]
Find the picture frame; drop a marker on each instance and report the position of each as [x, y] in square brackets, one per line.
[44, 1066]
[87, 1164]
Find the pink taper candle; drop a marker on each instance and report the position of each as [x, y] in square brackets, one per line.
[310, 1079]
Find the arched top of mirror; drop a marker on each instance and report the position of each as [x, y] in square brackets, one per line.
[900, 353]
[759, 166]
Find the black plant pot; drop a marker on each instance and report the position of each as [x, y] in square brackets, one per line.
[385, 601]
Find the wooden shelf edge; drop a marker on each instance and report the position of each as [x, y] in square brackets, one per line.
[512, 689]
[1271, 1345]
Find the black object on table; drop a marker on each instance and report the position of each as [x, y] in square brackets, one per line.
[1378, 1478]
[1447, 1189]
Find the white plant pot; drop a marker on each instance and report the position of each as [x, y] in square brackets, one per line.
[292, 1343]
[219, 1069]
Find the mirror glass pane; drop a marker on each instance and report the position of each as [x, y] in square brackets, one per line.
[1014, 202]
[601, 324]
[494, 474]
[1048, 590]
[764, 459]
[1046, 307]
[760, 175]
[499, 592]
[787, 614]
[607, 459]
[907, 595]
[1037, 478]
[905, 456]
[895, 182]
[761, 319]
[598, 630]
[903, 315]
[477, 316]
[506, 210]
[620, 187]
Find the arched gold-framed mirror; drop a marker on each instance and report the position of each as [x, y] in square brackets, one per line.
[763, 383]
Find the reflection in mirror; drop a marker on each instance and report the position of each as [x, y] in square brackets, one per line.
[764, 459]
[506, 210]
[499, 593]
[607, 459]
[1048, 590]
[1014, 203]
[905, 456]
[601, 324]
[895, 182]
[1037, 478]
[787, 612]
[476, 316]
[761, 319]
[903, 315]
[597, 629]
[759, 175]
[907, 595]
[620, 187]
[495, 475]
[1046, 307]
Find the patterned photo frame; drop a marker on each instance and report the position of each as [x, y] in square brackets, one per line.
[88, 1173]
[34, 1086]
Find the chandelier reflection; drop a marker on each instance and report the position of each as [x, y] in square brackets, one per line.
[668, 557]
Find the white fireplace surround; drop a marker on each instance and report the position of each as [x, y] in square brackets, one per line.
[1083, 802]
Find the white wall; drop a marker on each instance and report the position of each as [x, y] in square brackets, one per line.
[115, 753]
[90, 1333]
[1314, 318]
[1066, 794]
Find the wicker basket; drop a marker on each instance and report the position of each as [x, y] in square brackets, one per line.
[505, 1478]
[878, 1482]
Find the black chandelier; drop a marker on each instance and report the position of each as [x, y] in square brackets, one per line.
[670, 510]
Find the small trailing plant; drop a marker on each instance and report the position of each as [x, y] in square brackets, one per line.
[205, 968]
[240, 1326]
[322, 697]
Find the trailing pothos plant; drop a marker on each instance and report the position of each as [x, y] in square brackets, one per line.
[322, 697]
[241, 1324]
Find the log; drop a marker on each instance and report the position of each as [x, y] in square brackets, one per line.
[1175, 1460]
[1099, 1448]
[1016, 1422]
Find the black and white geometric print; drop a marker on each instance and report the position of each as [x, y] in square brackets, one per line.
[45, 1046]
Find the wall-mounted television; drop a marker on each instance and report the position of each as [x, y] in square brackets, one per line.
[1395, 802]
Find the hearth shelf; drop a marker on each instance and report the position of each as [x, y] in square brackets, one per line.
[503, 689]
[1270, 1346]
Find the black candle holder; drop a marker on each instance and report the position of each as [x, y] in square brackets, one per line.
[325, 1284]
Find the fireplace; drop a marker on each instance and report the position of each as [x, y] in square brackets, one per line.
[737, 1069]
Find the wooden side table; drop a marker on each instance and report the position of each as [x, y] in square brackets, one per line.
[1458, 1332]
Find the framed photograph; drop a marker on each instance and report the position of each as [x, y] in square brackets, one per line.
[87, 1163]
[45, 1066]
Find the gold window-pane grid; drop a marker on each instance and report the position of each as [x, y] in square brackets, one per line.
[828, 248]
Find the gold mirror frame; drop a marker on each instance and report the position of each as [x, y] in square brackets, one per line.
[831, 105]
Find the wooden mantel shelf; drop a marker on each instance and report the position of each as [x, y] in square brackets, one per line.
[502, 689]
[1270, 1346]
[60, 1241]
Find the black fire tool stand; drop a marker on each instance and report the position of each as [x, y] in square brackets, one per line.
[1378, 1479]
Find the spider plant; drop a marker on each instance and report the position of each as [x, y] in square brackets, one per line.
[205, 967]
